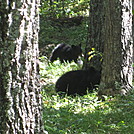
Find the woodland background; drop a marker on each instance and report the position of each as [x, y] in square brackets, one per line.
[67, 22]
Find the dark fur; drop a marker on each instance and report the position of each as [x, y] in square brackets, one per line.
[66, 53]
[78, 82]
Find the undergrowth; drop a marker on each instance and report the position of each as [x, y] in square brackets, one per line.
[82, 114]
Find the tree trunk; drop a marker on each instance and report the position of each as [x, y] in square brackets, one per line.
[95, 25]
[95, 38]
[133, 32]
[118, 48]
[20, 92]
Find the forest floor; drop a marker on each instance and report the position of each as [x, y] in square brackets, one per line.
[82, 114]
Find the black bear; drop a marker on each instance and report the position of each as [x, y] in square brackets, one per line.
[78, 81]
[66, 53]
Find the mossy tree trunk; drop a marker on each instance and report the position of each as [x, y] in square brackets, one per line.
[20, 93]
[118, 48]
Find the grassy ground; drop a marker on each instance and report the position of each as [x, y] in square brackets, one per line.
[82, 114]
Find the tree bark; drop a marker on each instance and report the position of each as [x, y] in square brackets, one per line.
[118, 48]
[96, 25]
[95, 37]
[133, 31]
[20, 92]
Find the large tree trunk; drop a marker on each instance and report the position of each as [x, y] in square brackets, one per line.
[133, 32]
[20, 94]
[95, 38]
[96, 19]
[118, 47]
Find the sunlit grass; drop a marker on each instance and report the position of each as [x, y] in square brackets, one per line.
[82, 114]
[50, 72]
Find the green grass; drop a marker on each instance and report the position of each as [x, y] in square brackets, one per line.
[50, 72]
[82, 114]
[86, 115]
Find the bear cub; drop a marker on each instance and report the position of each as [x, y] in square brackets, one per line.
[78, 82]
[66, 53]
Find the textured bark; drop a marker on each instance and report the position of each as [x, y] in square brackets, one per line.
[96, 38]
[133, 31]
[96, 19]
[20, 94]
[118, 47]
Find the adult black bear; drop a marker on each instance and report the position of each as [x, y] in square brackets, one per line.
[78, 82]
[66, 53]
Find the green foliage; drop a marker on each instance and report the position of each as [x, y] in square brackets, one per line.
[51, 33]
[63, 22]
[82, 114]
[86, 115]
[64, 8]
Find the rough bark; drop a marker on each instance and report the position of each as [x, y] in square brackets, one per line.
[95, 25]
[118, 47]
[20, 93]
[95, 38]
[133, 31]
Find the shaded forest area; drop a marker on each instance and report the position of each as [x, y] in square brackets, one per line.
[67, 22]
[70, 27]
[54, 93]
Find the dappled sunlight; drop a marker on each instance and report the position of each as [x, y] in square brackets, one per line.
[82, 114]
